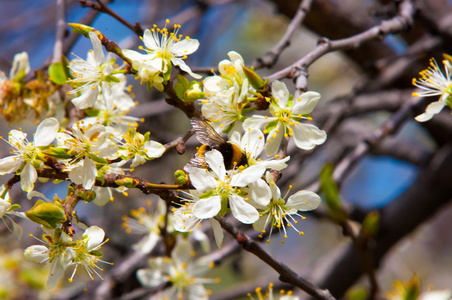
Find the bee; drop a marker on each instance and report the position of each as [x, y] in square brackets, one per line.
[210, 139]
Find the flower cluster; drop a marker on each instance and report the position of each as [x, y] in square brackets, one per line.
[94, 149]
[62, 252]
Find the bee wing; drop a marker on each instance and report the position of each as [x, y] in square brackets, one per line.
[195, 162]
[205, 133]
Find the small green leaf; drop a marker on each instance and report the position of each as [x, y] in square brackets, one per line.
[57, 153]
[96, 253]
[255, 80]
[111, 78]
[370, 224]
[58, 73]
[127, 182]
[332, 197]
[98, 159]
[13, 207]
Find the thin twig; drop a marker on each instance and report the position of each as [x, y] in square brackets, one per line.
[60, 31]
[101, 7]
[271, 57]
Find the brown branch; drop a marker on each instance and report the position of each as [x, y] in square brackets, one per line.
[286, 274]
[60, 31]
[271, 57]
[179, 143]
[101, 7]
[397, 24]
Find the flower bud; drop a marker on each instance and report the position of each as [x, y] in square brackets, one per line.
[47, 214]
[194, 92]
[255, 80]
[181, 176]
[80, 28]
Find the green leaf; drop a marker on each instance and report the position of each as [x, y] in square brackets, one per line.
[183, 81]
[98, 159]
[96, 253]
[46, 214]
[332, 197]
[57, 153]
[370, 224]
[58, 72]
[111, 78]
[13, 207]
[255, 80]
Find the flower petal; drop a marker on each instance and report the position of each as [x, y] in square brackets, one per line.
[10, 164]
[207, 208]
[280, 93]
[217, 232]
[242, 211]
[28, 178]
[202, 180]
[260, 192]
[306, 103]
[185, 47]
[154, 149]
[95, 237]
[183, 66]
[307, 136]
[46, 132]
[274, 139]
[303, 200]
[89, 173]
[97, 48]
[256, 121]
[215, 161]
[87, 98]
[248, 175]
[147, 243]
[432, 109]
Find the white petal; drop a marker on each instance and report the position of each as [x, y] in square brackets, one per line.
[235, 138]
[436, 295]
[103, 195]
[89, 173]
[150, 277]
[236, 58]
[307, 136]
[97, 48]
[184, 221]
[181, 64]
[253, 142]
[4, 206]
[276, 164]
[306, 103]
[281, 93]
[432, 109]
[260, 192]
[18, 230]
[247, 176]
[28, 178]
[242, 211]
[260, 224]
[147, 243]
[256, 121]
[46, 132]
[215, 161]
[304, 201]
[95, 236]
[197, 292]
[154, 149]
[274, 139]
[185, 47]
[137, 160]
[37, 253]
[202, 180]
[149, 41]
[217, 232]
[56, 273]
[207, 208]
[87, 98]
[10, 164]
[20, 62]
[182, 252]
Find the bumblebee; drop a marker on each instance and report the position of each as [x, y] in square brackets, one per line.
[210, 139]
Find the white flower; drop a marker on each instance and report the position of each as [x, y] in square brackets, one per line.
[225, 111]
[105, 194]
[182, 274]
[58, 253]
[436, 295]
[231, 73]
[92, 75]
[279, 213]
[143, 222]
[140, 148]
[116, 117]
[184, 219]
[286, 120]
[218, 188]
[25, 152]
[163, 49]
[82, 143]
[434, 83]
[21, 66]
[86, 252]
